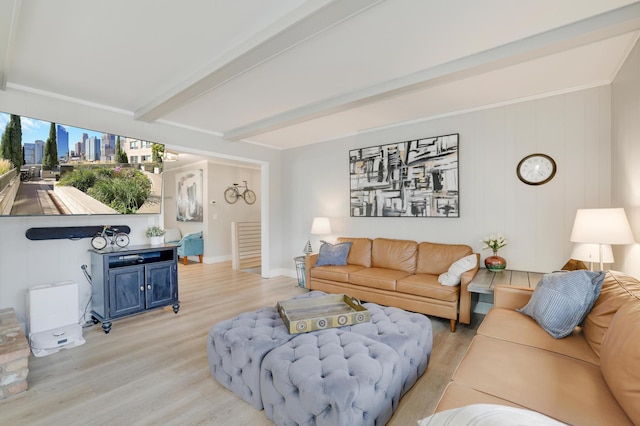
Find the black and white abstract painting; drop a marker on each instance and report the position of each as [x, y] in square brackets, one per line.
[417, 178]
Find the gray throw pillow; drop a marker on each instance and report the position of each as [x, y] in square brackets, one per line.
[333, 254]
[562, 300]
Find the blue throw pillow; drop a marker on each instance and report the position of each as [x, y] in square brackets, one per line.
[562, 300]
[333, 254]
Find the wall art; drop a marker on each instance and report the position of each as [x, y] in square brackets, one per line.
[417, 178]
[189, 196]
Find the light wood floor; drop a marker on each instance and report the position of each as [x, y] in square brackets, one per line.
[152, 368]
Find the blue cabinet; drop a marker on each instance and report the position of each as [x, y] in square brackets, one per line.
[132, 280]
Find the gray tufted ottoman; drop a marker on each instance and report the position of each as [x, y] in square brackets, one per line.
[331, 377]
[235, 349]
[237, 346]
[408, 333]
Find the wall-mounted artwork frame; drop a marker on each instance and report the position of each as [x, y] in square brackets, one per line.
[189, 206]
[417, 178]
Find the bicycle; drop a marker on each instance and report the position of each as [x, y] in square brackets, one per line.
[109, 236]
[232, 193]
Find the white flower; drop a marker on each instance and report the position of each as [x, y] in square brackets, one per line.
[494, 242]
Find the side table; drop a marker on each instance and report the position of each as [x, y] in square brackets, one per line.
[485, 281]
[300, 271]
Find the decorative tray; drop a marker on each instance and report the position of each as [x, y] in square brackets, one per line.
[334, 310]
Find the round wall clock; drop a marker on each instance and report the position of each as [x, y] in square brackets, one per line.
[536, 169]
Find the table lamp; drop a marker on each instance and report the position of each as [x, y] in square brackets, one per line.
[601, 227]
[320, 226]
[591, 253]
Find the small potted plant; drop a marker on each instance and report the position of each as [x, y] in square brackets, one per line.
[495, 263]
[155, 235]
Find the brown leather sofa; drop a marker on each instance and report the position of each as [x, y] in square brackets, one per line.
[591, 377]
[399, 273]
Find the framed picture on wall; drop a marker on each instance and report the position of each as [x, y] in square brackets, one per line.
[189, 196]
[417, 178]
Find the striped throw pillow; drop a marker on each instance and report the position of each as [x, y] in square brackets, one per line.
[562, 300]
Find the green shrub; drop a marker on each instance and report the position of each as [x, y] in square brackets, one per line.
[124, 190]
[104, 173]
[81, 179]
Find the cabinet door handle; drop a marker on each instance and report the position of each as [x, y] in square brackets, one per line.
[141, 288]
[149, 286]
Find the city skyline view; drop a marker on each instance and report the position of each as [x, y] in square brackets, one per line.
[34, 129]
[56, 183]
[75, 144]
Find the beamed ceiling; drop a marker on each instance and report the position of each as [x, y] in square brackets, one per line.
[288, 73]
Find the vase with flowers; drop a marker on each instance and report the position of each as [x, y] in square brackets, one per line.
[495, 263]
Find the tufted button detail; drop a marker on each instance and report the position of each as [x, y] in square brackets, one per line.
[260, 353]
[348, 370]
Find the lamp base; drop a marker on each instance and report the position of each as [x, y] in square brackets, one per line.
[575, 265]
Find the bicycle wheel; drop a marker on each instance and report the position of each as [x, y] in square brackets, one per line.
[249, 196]
[231, 195]
[122, 239]
[98, 242]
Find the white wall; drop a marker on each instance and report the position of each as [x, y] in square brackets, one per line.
[216, 225]
[221, 214]
[625, 188]
[25, 263]
[573, 128]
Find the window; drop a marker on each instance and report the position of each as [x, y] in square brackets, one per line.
[133, 159]
[146, 144]
[133, 145]
[145, 159]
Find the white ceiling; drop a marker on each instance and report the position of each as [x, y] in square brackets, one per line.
[288, 73]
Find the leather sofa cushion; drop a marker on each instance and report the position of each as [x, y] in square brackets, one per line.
[334, 273]
[570, 391]
[360, 251]
[512, 326]
[436, 258]
[456, 395]
[427, 286]
[381, 278]
[394, 254]
[617, 289]
[620, 358]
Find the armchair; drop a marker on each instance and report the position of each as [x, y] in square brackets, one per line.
[190, 245]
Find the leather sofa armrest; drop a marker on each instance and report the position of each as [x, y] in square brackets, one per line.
[309, 262]
[465, 296]
[511, 297]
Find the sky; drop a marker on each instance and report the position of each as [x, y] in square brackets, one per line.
[33, 130]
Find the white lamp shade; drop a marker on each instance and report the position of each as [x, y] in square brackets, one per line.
[601, 226]
[591, 252]
[321, 226]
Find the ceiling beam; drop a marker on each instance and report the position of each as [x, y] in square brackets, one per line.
[577, 34]
[9, 17]
[303, 23]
